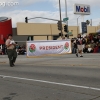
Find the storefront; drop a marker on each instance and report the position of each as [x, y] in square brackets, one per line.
[5, 29]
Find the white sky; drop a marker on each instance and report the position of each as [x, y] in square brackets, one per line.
[48, 9]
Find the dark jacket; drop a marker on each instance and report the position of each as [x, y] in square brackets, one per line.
[80, 41]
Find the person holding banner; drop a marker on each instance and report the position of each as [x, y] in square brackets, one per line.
[63, 38]
[79, 42]
[11, 50]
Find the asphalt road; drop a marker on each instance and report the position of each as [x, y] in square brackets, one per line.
[63, 77]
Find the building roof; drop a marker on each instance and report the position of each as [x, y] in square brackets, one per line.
[3, 19]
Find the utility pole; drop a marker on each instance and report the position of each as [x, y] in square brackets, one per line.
[66, 17]
[66, 11]
[77, 25]
[60, 17]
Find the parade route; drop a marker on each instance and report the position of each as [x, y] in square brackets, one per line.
[56, 77]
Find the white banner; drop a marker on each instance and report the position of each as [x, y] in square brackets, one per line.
[38, 48]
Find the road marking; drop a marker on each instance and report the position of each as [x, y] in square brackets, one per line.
[2, 62]
[54, 83]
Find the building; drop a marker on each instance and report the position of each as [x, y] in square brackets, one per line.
[47, 31]
[5, 29]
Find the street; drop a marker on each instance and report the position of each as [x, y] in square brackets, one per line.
[55, 77]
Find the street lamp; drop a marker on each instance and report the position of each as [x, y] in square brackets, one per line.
[77, 25]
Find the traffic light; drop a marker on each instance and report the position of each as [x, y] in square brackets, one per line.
[26, 19]
[59, 25]
[66, 28]
[66, 35]
[60, 34]
[87, 22]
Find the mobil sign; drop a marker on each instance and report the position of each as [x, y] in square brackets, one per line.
[82, 9]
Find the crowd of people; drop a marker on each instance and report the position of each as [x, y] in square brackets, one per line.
[90, 43]
[21, 49]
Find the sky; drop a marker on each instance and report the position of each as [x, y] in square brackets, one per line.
[19, 9]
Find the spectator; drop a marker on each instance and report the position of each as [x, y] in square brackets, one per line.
[1, 53]
[96, 48]
[74, 47]
[92, 45]
[85, 49]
